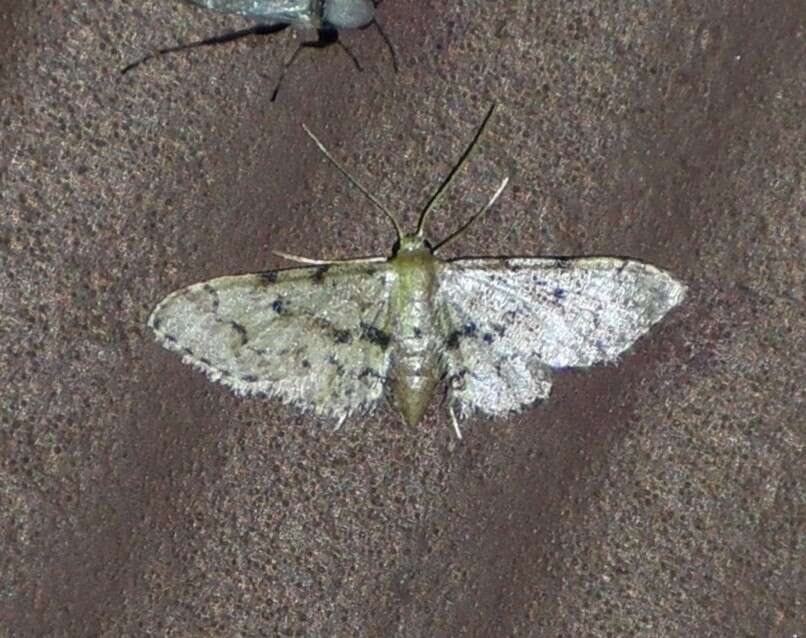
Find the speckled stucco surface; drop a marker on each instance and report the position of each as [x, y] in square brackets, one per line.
[659, 497]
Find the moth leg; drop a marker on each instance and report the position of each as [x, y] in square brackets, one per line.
[340, 423]
[455, 423]
[481, 212]
[231, 36]
[327, 262]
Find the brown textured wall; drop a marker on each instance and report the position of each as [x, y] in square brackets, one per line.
[659, 497]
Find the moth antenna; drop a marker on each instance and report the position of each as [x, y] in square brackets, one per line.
[392, 52]
[481, 212]
[454, 171]
[355, 182]
[326, 262]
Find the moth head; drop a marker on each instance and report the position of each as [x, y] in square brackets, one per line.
[411, 244]
[348, 14]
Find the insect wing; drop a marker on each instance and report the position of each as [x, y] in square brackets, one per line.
[299, 334]
[507, 321]
[263, 10]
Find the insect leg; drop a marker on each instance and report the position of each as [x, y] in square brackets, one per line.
[258, 29]
[385, 38]
[340, 423]
[326, 37]
[455, 423]
[328, 262]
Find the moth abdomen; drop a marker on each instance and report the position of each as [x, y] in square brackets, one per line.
[413, 376]
[414, 370]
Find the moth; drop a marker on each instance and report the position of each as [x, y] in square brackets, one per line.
[326, 17]
[334, 337]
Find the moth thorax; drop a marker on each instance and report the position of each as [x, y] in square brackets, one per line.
[348, 14]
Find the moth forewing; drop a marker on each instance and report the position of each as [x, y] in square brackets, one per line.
[309, 336]
[512, 320]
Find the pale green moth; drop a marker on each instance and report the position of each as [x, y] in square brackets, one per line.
[335, 336]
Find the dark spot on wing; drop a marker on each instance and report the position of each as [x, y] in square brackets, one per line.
[468, 330]
[559, 293]
[342, 336]
[214, 295]
[562, 263]
[241, 331]
[206, 361]
[499, 329]
[249, 378]
[623, 265]
[277, 306]
[417, 332]
[513, 265]
[188, 351]
[319, 274]
[375, 335]
[156, 323]
[369, 372]
[170, 338]
[306, 364]
[268, 277]
[457, 381]
[488, 338]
